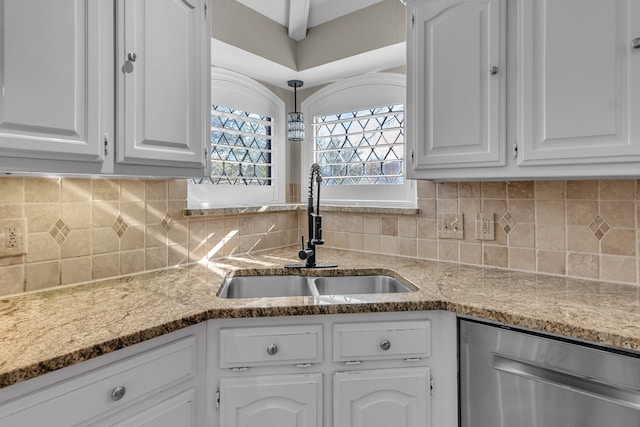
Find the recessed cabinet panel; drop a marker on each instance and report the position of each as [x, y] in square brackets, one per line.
[271, 401]
[458, 51]
[577, 78]
[50, 73]
[381, 341]
[276, 345]
[176, 411]
[160, 60]
[382, 398]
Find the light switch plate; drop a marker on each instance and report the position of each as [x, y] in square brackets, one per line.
[485, 226]
[12, 237]
[450, 226]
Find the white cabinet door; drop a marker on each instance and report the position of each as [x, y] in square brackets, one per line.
[456, 84]
[578, 86]
[382, 398]
[271, 401]
[162, 92]
[54, 69]
[177, 411]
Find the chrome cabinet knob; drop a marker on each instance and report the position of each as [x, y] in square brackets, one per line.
[385, 345]
[272, 349]
[131, 56]
[635, 43]
[118, 393]
[494, 70]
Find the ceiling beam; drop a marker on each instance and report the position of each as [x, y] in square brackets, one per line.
[298, 19]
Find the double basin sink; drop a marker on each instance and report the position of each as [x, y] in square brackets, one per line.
[289, 286]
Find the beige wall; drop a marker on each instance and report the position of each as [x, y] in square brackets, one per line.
[371, 28]
[380, 25]
[240, 26]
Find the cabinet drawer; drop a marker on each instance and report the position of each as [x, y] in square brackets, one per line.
[381, 340]
[106, 389]
[279, 345]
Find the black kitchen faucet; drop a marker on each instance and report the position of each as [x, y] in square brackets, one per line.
[314, 220]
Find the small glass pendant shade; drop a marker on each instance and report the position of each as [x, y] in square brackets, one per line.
[295, 120]
[295, 126]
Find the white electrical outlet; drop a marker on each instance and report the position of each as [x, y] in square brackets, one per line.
[485, 226]
[12, 237]
[450, 226]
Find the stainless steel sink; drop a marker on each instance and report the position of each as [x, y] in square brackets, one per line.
[265, 286]
[352, 285]
[289, 286]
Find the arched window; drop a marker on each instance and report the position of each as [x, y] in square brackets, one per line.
[247, 145]
[356, 135]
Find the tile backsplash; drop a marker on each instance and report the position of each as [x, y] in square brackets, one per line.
[85, 229]
[82, 229]
[584, 229]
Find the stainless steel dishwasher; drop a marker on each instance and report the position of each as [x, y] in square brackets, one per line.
[512, 378]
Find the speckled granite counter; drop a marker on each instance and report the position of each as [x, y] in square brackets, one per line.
[49, 330]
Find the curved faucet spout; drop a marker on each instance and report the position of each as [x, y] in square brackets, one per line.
[314, 221]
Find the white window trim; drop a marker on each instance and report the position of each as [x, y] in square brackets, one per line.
[237, 91]
[352, 94]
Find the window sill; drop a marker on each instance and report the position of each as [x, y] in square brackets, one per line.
[243, 210]
[237, 210]
[368, 209]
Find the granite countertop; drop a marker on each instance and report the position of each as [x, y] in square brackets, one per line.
[48, 330]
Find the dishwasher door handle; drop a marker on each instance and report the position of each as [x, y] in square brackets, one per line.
[621, 395]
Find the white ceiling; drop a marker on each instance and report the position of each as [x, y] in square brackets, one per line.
[319, 11]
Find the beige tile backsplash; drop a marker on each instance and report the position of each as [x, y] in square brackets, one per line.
[583, 229]
[80, 230]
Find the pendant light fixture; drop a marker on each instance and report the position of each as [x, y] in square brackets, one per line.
[295, 120]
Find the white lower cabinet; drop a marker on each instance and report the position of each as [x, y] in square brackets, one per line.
[345, 370]
[272, 400]
[382, 398]
[175, 411]
[156, 383]
[351, 370]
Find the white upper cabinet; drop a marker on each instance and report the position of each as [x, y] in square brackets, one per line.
[578, 87]
[161, 73]
[456, 84]
[52, 72]
[104, 87]
[567, 87]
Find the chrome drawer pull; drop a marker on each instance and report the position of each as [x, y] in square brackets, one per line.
[118, 393]
[272, 349]
[352, 362]
[240, 369]
[385, 345]
[635, 43]
[303, 365]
